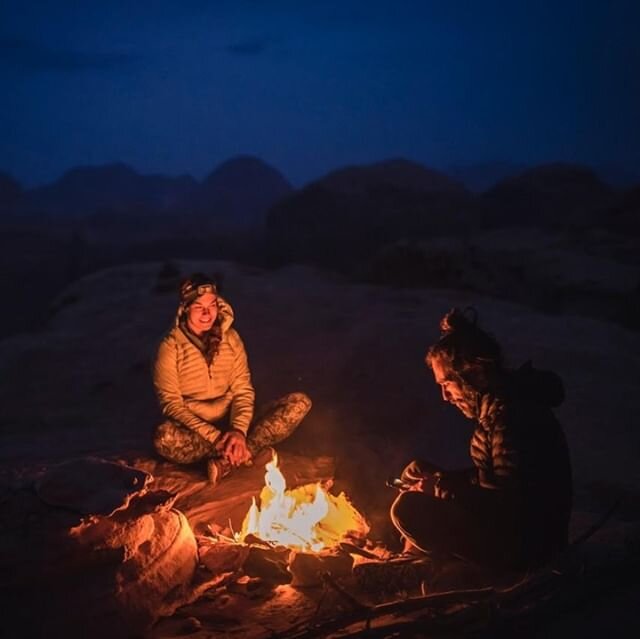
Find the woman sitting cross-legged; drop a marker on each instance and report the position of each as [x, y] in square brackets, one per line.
[203, 384]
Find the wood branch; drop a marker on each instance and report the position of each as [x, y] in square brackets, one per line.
[578, 541]
[330, 581]
[484, 611]
[366, 614]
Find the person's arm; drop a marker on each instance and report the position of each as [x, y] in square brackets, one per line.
[497, 478]
[504, 456]
[243, 395]
[460, 478]
[166, 383]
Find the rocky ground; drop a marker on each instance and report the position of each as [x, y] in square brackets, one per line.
[83, 386]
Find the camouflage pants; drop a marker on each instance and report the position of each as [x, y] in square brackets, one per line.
[273, 424]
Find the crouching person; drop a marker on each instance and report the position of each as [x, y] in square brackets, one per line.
[510, 510]
[203, 384]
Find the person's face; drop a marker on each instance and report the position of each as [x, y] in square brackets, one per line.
[452, 391]
[202, 313]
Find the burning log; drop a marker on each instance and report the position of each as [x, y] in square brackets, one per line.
[306, 518]
[270, 564]
[289, 536]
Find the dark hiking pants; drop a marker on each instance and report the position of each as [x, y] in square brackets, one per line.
[470, 531]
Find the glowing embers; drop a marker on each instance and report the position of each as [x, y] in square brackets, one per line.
[307, 518]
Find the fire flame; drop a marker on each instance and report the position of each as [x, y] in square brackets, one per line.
[306, 518]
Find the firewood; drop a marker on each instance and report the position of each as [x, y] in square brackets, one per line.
[307, 568]
[328, 579]
[384, 578]
[269, 564]
[483, 611]
[221, 557]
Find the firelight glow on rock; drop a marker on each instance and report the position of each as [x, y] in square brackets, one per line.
[307, 518]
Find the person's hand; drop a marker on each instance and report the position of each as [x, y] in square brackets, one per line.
[421, 473]
[420, 486]
[233, 447]
[413, 473]
[444, 488]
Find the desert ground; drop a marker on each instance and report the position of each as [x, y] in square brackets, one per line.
[82, 386]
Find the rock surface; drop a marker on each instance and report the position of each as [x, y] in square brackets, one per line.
[86, 556]
[83, 386]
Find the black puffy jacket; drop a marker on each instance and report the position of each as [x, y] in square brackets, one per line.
[520, 454]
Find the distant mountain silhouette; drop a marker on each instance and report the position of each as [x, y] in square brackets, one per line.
[10, 193]
[396, 173]
[480, 177]
[623, 216]
[346, 216]
[618, 176]
[239, 192]
[111, 188]
[551, 195]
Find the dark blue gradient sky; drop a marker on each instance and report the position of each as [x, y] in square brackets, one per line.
[178, 87]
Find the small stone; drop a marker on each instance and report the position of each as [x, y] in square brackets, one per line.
[191, 625]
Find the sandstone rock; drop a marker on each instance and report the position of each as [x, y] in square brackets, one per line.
[91, 486]
[98, 575]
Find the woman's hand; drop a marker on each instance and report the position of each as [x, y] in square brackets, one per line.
[233, 447]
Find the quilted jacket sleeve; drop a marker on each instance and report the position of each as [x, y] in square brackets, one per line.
[504, 453]
[496, 450]
[165, 380]
[243, 395]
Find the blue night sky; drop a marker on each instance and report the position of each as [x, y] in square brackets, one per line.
[178, 87]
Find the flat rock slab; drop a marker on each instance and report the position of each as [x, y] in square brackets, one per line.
[91, 486]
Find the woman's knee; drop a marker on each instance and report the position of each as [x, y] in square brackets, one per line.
[284, 415]
[298, 403]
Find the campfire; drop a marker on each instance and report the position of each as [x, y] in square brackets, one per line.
[306, 519]
[291, 535]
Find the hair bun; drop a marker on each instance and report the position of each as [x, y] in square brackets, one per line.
[457, 321]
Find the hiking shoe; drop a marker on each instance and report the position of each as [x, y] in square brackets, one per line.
[217, 470]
